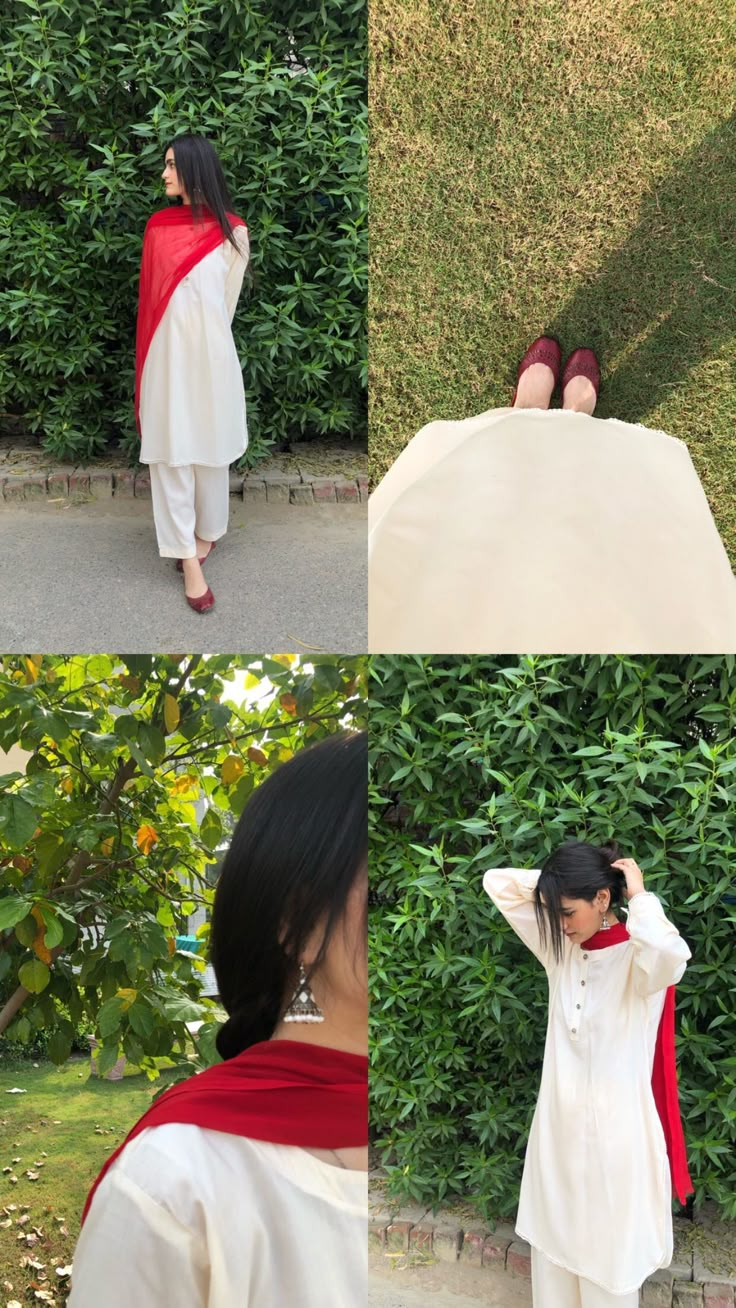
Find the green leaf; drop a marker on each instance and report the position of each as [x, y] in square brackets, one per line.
[22, 1030]
[127, 726]
[110, 1016]
[179, 1008]
[54, 933]
[59, 1047]
[34, 975]
[107, 1058]
[141, 1019]
[210, 830]
[18, 821]
[327, 677]
[13, 910]
[152, 743]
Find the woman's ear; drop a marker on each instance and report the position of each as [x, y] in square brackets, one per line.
[603, 900]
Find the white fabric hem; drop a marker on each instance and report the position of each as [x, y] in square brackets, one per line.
[575, 1271]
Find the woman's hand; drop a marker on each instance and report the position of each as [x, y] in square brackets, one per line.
[633, 874]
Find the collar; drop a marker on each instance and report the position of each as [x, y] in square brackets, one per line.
[615, 935]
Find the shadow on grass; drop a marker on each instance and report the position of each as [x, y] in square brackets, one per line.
[681, 258]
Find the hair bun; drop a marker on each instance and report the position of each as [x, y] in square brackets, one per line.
[611, 851]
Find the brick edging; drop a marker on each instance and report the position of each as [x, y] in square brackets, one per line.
[84, 484]
[685, 1284]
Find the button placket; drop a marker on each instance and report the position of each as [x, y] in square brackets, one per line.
[579, 1004]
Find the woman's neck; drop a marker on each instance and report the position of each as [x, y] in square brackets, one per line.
[329, 1034]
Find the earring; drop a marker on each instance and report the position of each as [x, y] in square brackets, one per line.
[605, 924]
[303, 1007]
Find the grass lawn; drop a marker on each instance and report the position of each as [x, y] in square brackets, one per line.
[564, 165]
[76, 1121]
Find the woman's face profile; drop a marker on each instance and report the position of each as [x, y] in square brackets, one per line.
[170, 175]
[344, 972]
[580, 919]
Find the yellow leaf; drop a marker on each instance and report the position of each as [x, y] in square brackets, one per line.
[257, 756]
[37, 659]
[146, 839]
[171, 714]
[31, 671]
[184, 784]
[107, 846]
[40, 949]
[286, 660]
[285, 754]
[67, 785]
[232, 769]
[251, 681]
[128, 996]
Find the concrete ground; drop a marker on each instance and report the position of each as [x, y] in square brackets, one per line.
[397, 1283]
[87, 578]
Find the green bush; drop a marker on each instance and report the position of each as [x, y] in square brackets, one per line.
[91, 93]
[488, 762]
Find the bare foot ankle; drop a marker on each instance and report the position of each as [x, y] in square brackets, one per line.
[203, 547]
[194, 582]
[579, 395]
[535, 387]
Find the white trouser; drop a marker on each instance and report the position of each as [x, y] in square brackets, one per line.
[554, 1287]
[188, 499]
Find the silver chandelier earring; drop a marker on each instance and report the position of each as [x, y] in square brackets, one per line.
[303, 1007]
[605, 924]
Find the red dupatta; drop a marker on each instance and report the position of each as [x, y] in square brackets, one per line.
[282, 1091]
[173, 243]
[664, 1073]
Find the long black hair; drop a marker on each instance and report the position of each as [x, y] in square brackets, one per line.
[200, 173]
[296, 852]
[577, 870]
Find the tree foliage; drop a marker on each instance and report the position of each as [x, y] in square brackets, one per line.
[92, 91]
[138, 767]
[486, 762]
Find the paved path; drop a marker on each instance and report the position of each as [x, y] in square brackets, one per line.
[87, 578]
[395, 1292]
[393, 1284]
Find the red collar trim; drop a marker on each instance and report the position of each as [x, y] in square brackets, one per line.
[615, 935]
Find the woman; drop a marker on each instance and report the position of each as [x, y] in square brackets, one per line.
[606, 1147]
[549, 530]
[244, 1183]
[190, 402]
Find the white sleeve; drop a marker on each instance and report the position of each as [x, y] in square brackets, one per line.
[660, 953]
[236, 271]
[512, 891]
[133, 1250]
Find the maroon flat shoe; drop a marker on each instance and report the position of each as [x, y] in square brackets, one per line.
[582, 363]
[546, 349]
[180, 565]
[201, 603]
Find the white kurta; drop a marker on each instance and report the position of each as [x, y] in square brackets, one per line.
[596, 1189]
[192, 401]
[545, 530]
[188, 1218]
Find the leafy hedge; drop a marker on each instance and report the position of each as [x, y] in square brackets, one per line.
[481, 762]
[91, 93]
